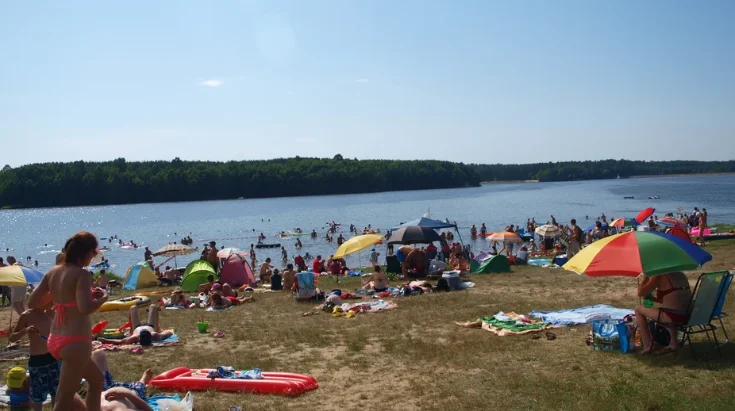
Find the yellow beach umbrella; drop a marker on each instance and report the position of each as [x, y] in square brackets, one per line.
[356, 244]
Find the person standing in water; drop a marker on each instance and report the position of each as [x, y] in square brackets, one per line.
[70, 339]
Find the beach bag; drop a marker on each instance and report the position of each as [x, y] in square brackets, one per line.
[610, 336]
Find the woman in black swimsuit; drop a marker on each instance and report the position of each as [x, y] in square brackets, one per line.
[673, 293]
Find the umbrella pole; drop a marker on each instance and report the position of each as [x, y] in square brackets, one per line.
[456, 228]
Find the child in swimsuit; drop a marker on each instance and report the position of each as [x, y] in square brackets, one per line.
[43, 368]
[70, 338]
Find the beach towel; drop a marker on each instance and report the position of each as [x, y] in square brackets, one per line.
[503, 324]
[5, 399]
[467, 284]
[369, 307]
[168, 342]
[211, 309]
[582, 315]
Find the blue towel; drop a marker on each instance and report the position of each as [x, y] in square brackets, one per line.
[582, 315]
[153, 401]
[254, 374]
[173, 338]
[229, 373]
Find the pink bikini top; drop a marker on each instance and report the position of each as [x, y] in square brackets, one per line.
[60, 308]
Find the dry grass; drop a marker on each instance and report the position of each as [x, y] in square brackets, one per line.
[416, 358]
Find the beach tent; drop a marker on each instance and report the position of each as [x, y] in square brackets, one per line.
[140, 276]
[236, 271]
[426, 222]
[497, 264]
[196, 274]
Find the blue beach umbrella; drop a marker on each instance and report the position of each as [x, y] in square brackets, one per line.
[17, 275]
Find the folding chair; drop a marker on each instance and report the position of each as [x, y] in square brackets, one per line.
[719, 314]
[701, 309]
[305, 287]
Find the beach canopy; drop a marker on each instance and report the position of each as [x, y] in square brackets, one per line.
[226, 252]
[139, 276]
[495, 264]
[357, 243]
[196, 274]
[414, 235]
[18, 275]
[637, 252]
[426, 222]
[236, 272]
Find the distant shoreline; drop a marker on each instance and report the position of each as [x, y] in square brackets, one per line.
[509, 181]
[683, 175]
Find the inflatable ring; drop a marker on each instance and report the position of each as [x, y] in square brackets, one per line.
[111, 333]
[125, 303]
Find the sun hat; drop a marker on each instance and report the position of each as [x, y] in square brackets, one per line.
[217, 286]
[16, 377]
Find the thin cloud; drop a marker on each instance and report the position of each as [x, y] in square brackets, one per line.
[212, 83]
[362, 80]
[305, 140]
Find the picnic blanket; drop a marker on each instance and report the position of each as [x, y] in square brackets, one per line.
[168, 342]
[582, 315]
[503, 324]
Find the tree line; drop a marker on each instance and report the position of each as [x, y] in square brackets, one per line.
[596, 170]
[124, 182]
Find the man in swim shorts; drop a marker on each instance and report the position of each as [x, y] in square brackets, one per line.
[143, 333]
[119, 396]
[401, 255]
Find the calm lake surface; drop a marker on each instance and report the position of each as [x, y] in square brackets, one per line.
[231, 223]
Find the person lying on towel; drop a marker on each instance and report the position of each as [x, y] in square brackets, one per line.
[143, 333]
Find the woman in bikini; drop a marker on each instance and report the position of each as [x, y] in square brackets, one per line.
[70, 340]
[673, 293]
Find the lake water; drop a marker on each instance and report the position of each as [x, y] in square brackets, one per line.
[231, 223]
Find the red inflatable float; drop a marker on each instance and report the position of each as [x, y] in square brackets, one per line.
[279, 383]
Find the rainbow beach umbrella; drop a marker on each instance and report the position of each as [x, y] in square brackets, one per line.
[624, 222]
[634, 253]
[18, 275]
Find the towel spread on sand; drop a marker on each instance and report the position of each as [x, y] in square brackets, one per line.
[504, 324]
[582, 315]
[168, 342]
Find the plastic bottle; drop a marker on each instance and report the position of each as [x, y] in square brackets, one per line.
[648, 301]
[638, 342]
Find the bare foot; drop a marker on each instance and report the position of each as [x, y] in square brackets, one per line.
[147, 376]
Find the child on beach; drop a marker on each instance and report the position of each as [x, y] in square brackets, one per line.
[43, 368]
[70, 339]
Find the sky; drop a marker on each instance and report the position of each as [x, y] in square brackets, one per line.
[478, 81]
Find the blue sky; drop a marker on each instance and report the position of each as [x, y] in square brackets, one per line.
[472, 80]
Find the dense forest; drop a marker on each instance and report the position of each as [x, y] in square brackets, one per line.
[121, 182]
[596, 170]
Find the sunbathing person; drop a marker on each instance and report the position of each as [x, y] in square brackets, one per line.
[204, 288]
[673, 293]
[143, 333]
[218, 302]
[227, 291]
[378, 281]
[118, 396]
[178, 299]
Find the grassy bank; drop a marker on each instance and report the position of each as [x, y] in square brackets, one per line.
[416, 358]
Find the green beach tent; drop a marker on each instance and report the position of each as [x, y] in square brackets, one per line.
[496, 264]
[196, 274]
